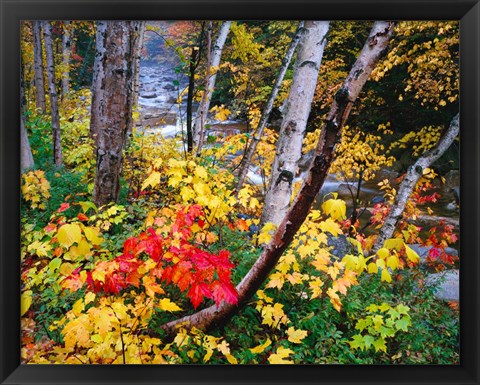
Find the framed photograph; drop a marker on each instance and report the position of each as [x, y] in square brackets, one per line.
[240, 192]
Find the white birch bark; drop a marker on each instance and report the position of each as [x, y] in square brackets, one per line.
[414, 173]
[98, 75]
[294, 124]
[66, 55]
[216, 55]
[252, 147]
[52, 87]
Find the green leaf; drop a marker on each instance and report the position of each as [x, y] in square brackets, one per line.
[25, 302]
[54, 264]
[369, 340]
[403, 323]
[402, 309]
[380, 345]
[357, 342]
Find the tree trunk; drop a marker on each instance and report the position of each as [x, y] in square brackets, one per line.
[215, 55]
[414, 173]
[26, 157]
[199, 123]
[330, 135]
[38, 67]
[138, 44]
[247, 158]
[66, 56]
[113, 110]
[294, 124]
[52, 86]
[98, 76]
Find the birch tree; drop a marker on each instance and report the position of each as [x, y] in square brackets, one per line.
[26, 157]
[414, 173]
[112, 111]
[66, 56]
[252, 147]
[52, 87]
[138, 45]
[38, 66]
[294, 124]
[214, 55]
[330, 136]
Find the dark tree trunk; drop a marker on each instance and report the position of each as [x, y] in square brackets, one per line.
[40, 101]
[52, 86]
[330, 135]
[112, 111]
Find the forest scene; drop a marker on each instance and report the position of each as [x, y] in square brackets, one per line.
[240, 192]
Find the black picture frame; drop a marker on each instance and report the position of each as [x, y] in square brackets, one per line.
[13, 11]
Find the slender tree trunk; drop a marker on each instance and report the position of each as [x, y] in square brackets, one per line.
[195, 57]
[138, 44]
[26, 157]
[213, 61]
[414, 173]
[330, 135]
[199, 123]
[98, 76]
[52, 86]
[40, 101]
[294, 124]
[252, 147]
[113, 110]
[66, 56]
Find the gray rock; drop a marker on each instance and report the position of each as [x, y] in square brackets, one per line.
[452, 179]
[447, 285]
[169, 87]
[340, 246]
[152, 95]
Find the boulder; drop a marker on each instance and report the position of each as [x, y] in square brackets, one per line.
[339, 246]
[151, 95]
[423, 251]
[446, 284]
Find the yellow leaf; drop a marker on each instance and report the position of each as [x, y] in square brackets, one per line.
[372, 268]
[78, 307]
[68, 234]
[66, 269]
[335, 208]
[261, 348]
[201, 172]
[394, 243]
[393, 262]
[82, 250]
[89, 297]
[231, 359]
[386, 277]
[25, 301]
[93, 235]
[152, 180]
[296, 336]
[281, 356]
[167, 305]
[330, 226]
[383, 253]
[411, 254]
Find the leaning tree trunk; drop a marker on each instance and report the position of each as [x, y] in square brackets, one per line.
[113, 111]
[294, 124]
[98, 76]
[66, 56]
[138, 44]
[26, 157]
[252, 147]
[330, 135]
[40, 101]
[52, 87]
[213, 60]
[414, 173]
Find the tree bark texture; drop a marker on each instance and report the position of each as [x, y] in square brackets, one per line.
[215, 55]
[98, 75]
[40, 101]
[52, 87]
[330, 135]
[67, 38]
[252, 147]
[26, 157]
[199, 123]
[138, 45]
[113, 110]
[294, 124]
[414, 173]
